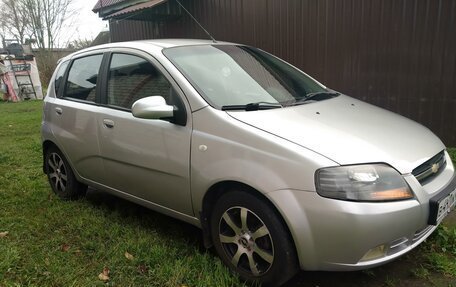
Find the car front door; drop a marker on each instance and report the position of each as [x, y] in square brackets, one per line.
[146, 158]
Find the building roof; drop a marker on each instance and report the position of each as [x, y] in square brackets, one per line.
[144, 10]
[136, 7]
[102, 38]
[106, 3]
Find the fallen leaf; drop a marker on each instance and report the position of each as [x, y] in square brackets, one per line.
[104, 276]
[3, 234]
[129, 256]
[65, 247]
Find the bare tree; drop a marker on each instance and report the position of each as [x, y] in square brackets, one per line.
[3, 28]
[80, 44]
[46, 19]
[40, 20]
[13, 19]
[40, 23]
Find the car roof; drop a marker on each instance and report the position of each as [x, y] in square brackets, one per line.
[155, 44]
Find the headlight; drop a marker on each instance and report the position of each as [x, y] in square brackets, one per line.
[376, 182]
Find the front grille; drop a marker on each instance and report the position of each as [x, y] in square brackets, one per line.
[430, 168]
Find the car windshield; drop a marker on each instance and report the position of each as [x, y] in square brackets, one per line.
[230, 75]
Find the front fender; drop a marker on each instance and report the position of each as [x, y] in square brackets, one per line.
[225, 149]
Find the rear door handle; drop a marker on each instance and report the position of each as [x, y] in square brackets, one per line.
[58, 111]
[108, 123]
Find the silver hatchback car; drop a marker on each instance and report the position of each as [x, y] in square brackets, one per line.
[280, 172]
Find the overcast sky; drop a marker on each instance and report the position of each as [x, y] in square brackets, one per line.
[86, 24]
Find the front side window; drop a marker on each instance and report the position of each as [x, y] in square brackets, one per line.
[83, 77]
[238, 75]
[132, 78]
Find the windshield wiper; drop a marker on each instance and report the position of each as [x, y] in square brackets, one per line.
[252, 106]
[314, 97]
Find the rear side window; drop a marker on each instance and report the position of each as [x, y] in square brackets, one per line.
[132, 78]
[59, 76]
[83, 77]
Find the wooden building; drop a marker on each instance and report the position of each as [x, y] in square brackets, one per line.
[397, 54]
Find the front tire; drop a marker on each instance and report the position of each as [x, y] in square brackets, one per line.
[251, 239]
[61, 176]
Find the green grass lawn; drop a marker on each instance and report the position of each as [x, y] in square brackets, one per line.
[56, 243]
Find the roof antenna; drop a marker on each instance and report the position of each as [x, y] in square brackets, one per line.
[201, 26]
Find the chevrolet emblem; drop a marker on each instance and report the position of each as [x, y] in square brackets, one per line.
[435, 167]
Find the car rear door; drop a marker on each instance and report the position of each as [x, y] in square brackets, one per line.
[73, 114]
[146, 158]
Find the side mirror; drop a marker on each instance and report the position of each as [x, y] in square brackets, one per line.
[154, 107]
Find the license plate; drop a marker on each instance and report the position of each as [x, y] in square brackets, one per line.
[445, 206]
[442, 203]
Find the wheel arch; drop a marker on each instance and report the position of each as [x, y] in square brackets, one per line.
[47, 144]
[216, 191]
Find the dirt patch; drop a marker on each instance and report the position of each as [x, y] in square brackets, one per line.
[450, 220]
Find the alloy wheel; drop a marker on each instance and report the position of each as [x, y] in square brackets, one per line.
[246, 241]
[57, 172]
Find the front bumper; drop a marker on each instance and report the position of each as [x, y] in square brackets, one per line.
[336, 235]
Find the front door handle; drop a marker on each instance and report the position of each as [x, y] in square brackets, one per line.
[108, 123]
[58, 110]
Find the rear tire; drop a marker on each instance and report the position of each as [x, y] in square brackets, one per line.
[251, 239]
[61, 176]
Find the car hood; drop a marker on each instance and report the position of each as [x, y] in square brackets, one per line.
[349, 131]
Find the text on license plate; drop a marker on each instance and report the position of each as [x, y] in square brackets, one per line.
[446, 205]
